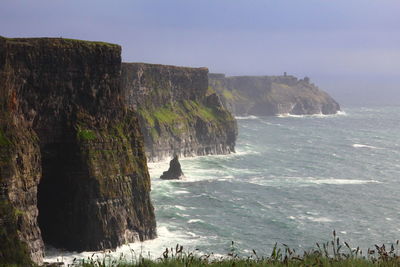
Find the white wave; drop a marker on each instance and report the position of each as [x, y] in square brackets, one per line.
[365, 146]
[151, 249]
[311, 218]
[192, 234]
[157, 168]
[251, 117]
[226, 178]
[288, 115]
[195, 221]
[317, 115]
[342, 181]
[182, 215]
[201, 168]
[306, 181]
[180, 207]
[181, 192]
[319, 219]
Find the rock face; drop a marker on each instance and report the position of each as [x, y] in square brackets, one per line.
[272, 95]
[177, 112]
[174, 172]
[73, 171]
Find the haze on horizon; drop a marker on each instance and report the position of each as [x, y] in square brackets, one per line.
[349, 48]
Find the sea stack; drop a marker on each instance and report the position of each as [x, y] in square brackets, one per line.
[174, 172]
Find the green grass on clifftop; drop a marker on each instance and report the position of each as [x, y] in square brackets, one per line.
[60, 40]
[89, 42]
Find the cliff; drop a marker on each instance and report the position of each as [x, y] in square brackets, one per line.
[272, 95]
[73, 171]
[177, 113]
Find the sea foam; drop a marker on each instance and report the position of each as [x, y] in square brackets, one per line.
[307, 181]
[365, 146]
[131, 252]
[317, 115]
[251, 117]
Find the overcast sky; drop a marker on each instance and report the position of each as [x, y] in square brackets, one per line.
[350, 48]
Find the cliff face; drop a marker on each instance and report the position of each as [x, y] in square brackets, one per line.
[72, 167]
[177, 112]
[272, 95]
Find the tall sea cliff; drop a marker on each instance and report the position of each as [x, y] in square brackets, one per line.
[73, 171]
[272, 95]
[177, 112]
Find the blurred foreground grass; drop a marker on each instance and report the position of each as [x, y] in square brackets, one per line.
[332, 253]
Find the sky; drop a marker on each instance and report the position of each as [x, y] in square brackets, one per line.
[349, 48]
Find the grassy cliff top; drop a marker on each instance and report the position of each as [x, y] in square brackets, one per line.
[58, 41]
[161, 66]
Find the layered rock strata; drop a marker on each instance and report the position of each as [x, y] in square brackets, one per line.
[272, 95]
[73, 171]
[177, 113]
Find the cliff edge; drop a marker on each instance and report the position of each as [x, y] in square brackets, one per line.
[177, 113]
[272, 95]
[73, 171]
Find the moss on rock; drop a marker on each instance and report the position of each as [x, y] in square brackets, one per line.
[3, 139]
[178, 112]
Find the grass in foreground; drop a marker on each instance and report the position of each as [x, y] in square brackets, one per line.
[333, 253]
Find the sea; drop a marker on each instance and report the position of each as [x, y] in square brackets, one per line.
[292, 181]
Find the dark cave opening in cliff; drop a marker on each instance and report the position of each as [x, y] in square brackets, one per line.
[56, 194]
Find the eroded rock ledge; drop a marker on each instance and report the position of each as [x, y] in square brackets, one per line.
[272, 95]
[73, 171]
[177, 113]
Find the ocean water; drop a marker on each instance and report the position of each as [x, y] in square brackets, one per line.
[293, 180]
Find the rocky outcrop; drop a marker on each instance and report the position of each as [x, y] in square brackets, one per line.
[174, 172]
[73, 171]
[272, 95]
[177, 112]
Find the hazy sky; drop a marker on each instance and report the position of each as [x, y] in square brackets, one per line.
[350, 48]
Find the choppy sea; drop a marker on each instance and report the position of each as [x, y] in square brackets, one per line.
[293, 180]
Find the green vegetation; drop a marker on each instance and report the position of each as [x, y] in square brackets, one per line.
[147, 116]
[3, 139]
[86, 135]
[178, 117]
[195, 109]
[89, 42]
[166, 114]
[228, 94]
[154, 134]
[13, 252]
[169, 114]
[333, 253]
[210, 91]
[65, 40]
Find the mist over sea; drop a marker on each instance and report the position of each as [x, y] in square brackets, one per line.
[293, 180]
